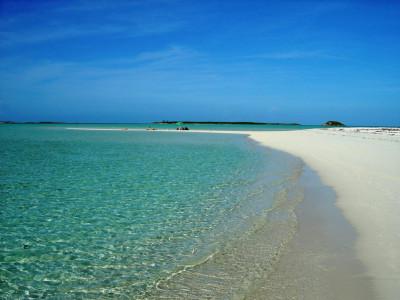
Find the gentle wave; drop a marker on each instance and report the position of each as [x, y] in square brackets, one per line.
[88, 214]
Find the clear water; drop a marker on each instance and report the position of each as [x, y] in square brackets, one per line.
[228, 127]
[118, 214]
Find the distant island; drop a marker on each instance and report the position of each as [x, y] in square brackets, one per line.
[41, 122]
[333, 123]
[224, 123]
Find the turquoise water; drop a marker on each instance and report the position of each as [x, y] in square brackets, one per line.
[97, 214]
[227, 127]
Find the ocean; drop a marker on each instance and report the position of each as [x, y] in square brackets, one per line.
[138, 214]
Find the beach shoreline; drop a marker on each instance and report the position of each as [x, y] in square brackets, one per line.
[320, 262]
[364, 171]
[362, 166]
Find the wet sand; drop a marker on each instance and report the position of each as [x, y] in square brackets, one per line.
[320, 262]
[363, 168]
[347, 245]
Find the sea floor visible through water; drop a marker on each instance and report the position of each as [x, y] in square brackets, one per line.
[100, 214]
[320, 261]
[303, 248]
[149, 215]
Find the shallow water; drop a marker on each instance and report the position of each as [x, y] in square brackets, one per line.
[136, 214]
[320, 262]
[223, 127]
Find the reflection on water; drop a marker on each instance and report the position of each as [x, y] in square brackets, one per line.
[113, 214]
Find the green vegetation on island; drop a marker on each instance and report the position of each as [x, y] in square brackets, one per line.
[224, 123]
[30, 122]
[333, 123]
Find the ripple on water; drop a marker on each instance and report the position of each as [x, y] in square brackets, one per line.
[111, 214]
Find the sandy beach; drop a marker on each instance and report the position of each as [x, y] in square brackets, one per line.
[362, 166]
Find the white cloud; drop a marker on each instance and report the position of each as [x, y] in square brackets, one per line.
[49, 22]
[294, 55]
[174, 52]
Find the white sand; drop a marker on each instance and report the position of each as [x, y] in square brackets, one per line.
[362, 165]
[364, 170]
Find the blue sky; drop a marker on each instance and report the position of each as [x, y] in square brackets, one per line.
[138, 61]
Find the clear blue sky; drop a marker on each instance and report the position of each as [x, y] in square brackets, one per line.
[138, 61]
